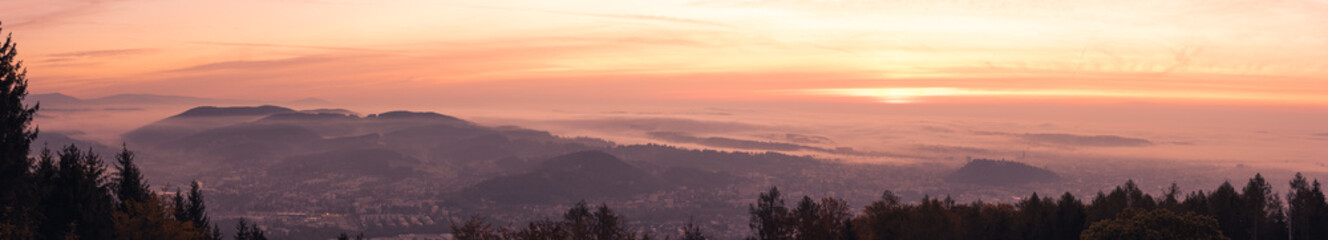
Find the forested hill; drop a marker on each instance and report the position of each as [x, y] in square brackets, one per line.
[1000, 173]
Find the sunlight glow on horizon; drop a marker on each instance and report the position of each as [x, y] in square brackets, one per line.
[919, 95]
[1226, 51]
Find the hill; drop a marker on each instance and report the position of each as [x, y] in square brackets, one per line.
[1000, 173]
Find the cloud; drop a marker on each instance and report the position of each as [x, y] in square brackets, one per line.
[268, 45]
[733, 143]
[657, 18]
[723, 142]
[62, 12]
[668, 125]
[252, 65]
[638, 17]
[800, 138]
[103, 53]
[952, 149]
[1065, 139]
[1321, 134]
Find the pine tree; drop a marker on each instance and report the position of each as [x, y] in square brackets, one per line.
[129, 185]
[196, 211]
[79, 202]
[1308, 213]
[18, 212]
[1226, 206]
[246, 231]
[1262, 210]
[1070, 218]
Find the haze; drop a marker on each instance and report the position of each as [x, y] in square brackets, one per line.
[1227, 81]
[291, 111]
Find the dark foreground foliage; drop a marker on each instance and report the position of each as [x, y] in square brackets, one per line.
[69, 194]
[1126, 212]
[578, 223]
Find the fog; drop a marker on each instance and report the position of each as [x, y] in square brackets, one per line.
[1287, 137]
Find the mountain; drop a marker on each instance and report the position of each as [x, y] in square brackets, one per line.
[568, 178]
[1001, 173]
[260, 156]
[196, 120]
[52, 99]
[210, 111]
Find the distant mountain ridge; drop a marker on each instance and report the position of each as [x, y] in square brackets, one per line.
[401, 151]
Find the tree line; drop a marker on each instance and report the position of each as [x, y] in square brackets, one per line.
[579, 222]
[1254, 212]
[1126, 212]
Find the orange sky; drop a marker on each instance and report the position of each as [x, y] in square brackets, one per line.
[1223, 52]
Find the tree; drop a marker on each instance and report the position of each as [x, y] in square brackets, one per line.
[150, 219]
[608, 225]
[540, 230]
[195, 211]
[473, 229]
[884, 217]
[819, 220]
[18, 212]
[246, 231]
[770, 217]
[129, 185]
[1171, 199]
[1158, 224]
[1308, 214]
[1070, 218]
[1262, 210]
[578, 220]
[692, 232]
[1225, 205]
[79, 202]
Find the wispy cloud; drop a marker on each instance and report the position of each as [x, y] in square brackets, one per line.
[269, 45]
[253, 65]
[1076, 140]
[104, 53]
[657, 18]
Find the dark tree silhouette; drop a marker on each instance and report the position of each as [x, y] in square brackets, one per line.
[473, 229]
[129, 185]
[579, 222]
[69, 194]
[770, 218]
[1308, 214]
[18, 216]
[79, 203]
[692, 232]
[1155, 225]
[247, 231]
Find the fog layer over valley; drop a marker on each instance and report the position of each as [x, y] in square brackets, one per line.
[319, 169]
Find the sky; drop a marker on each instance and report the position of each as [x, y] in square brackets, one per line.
[1224, 81]
[890, 51]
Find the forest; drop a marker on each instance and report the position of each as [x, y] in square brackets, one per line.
[1126, 212]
